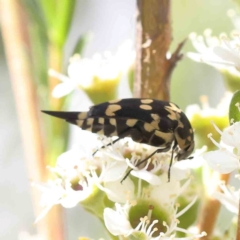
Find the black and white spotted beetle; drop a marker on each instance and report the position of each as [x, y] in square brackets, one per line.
[154, 122]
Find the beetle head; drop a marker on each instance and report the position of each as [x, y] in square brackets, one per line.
[184, 153]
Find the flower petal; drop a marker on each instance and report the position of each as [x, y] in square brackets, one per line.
[120, 192]
[221, 160]
[82, 71]
[181, 170]
[229, 203]
[166, 192]
[231, 135]
[72, 197]
[116, 223]
[62, 89]
[114, 171]
[147, 176]
[226, 54]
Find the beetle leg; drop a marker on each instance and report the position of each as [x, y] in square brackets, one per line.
[120, 136]
[116, 140]
[145, 159]
[171, 161]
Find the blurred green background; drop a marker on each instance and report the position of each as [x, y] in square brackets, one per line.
[191, 79]
[111, 22]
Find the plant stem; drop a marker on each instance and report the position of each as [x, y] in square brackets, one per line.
[55, 63]
[211, 208]
[154, 36]
[16, 41]
[57, 136]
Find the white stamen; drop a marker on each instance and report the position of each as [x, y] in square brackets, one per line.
[58, 75]
[216, 128]
[150, 231]
[139, 187]
[215, 142]
[150, 209]
[186, 208]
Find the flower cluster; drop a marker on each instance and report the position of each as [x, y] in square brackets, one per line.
[144, 206]
[99, 74]
[221, 53]
[226, 158]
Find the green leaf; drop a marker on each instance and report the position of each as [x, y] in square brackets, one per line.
[57, 16]
[234, 114]
[48, 7]
[62, 22]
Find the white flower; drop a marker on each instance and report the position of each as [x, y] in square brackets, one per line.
[118, 223]
[120, 192]
[70, 164]
[77, 174]
[116, 220]
[188, 164]
[73, 182]
[229, 197]
[61, 192]
[221, 53]
[134, 194]
[113, 162]
[206, 111]
[116, 158]
[128, 191]
[82, 72]
[114, 166]
[226, 158]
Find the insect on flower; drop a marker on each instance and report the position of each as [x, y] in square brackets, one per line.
[153, 122]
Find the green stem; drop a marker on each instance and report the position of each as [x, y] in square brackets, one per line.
[58, 130]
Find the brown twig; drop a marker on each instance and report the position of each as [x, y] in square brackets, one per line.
[209, 212]
[172, 62]
[154, 36]
[16, 42]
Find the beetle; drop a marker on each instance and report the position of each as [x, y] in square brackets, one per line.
[157, 123]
